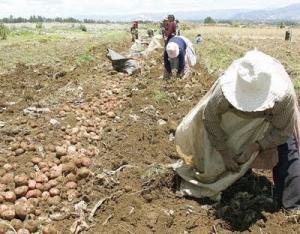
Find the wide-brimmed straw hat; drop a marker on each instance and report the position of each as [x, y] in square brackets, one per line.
[254, 82]
[172, 50]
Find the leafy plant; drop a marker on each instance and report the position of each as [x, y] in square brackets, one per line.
[160, 96]
[4, 31]
[85, 58]
[39, 25]
[83, 28]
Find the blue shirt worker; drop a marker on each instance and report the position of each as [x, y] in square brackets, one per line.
[175, 58]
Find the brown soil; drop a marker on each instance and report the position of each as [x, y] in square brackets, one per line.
[143, 197]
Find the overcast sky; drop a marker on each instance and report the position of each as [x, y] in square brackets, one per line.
[51, 8]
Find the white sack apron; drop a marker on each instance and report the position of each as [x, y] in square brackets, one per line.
[190, 52]
[203, 171]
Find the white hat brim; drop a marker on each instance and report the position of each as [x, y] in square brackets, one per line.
[253, 100]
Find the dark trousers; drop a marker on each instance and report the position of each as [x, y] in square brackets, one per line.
[286, 175]
[168, 39]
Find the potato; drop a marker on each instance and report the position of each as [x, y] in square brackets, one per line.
[45, 195]
[49, 229]
[66, 159]
[83, 173]
[22, 210]
[41, 136]
[86, 162]
[71, 177]
[8, 214]
[19, 151]
[56, 161]
[54, 201]
[72, 194]
[23, 231]
[24, 145]
[36, 160]
[2, 187]
[74, 141]
[78, 161]
[2, 172]
[31, 184]
[31, 147]
[46, 186]
[33, 193]
[1, 199]
[40, 177]
[15, 146]
[54, 192]
[60, 179]
[15, 166]
[111, 114]
[33, 203]
[72, 149]
[55, 172]
[17, 224]
[45, 169]
[31, 225]
[60, 151]
[51, 148]
[7, 178]
[10, 196]
[3, 228]
[3, 207]
[38, 212]
[75, 130]
[53, 183]
[91, 153]
[21, 191]
[21, 180]
[71, 185]
[7, 167]
[42, 164]
[68, 167]
[21, 200]
[40, 186]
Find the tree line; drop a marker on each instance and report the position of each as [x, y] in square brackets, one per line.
[41, 19]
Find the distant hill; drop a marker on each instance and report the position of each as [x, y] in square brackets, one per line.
[290, 13]
[183, 15]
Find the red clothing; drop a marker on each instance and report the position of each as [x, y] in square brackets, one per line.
[170, 29]
[135, 25]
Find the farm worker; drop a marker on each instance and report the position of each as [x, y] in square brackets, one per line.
[163, 26]
[135, 31]
[177, 55]
[198, 39]
[177, 27]
[150, 33]
[249, 118]
[288, 35]
[170, 28]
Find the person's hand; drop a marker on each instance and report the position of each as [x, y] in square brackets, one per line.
[167, 75]
[248, 152]
[228, 158]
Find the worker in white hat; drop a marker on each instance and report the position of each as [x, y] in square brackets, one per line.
[248, 119]
[175, 57]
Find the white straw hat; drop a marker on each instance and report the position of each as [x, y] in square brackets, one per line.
[254, 82]
[172, 50]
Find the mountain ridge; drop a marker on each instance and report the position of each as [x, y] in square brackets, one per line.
[287, 13]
